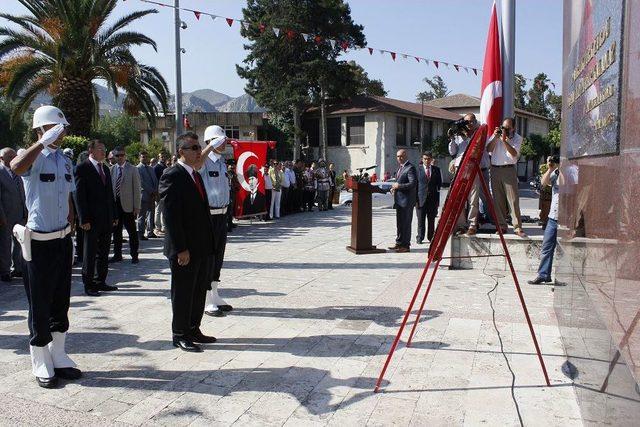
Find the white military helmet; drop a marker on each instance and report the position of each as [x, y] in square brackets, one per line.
[212, 132]
[48, 115]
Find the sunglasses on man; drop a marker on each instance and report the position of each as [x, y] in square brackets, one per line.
[195, 147]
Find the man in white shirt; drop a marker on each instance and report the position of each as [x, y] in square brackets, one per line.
[504, 147]
[286, 187]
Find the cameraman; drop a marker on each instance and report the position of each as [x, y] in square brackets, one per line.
[458, 142]
[551, 231]
[504, 147]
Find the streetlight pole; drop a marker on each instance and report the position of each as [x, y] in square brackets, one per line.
[508, 56]
[178, 95]
[422, 124]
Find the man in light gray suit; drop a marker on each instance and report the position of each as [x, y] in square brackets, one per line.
[13, 210]
[125, 180]
[149, 185]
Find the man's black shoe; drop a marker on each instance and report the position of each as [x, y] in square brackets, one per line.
[135, 260]
[16, 274]
[201, 338]
[91, 292]
[152, 235]
[68, 373]
[215, 313]
[225, 307]
[115, 259]
[105, 288]
[47, 382]
[5, 278]
[538, 281]
[186, 345]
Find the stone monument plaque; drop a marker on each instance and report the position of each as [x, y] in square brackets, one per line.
[592, 77]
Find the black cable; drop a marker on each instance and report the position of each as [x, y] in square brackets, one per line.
[506, 359]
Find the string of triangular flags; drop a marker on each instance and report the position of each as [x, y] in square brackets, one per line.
[345, 45]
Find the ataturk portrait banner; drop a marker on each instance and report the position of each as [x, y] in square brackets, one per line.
[251, 157]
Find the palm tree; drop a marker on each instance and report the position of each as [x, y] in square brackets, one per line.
[64, 46]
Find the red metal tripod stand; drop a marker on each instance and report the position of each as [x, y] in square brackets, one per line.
[468, 172]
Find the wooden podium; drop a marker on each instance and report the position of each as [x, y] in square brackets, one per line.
[361, 217]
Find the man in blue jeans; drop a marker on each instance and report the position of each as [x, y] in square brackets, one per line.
[551, 231]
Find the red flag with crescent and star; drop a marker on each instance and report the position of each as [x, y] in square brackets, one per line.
[491, 89]
[251, 158]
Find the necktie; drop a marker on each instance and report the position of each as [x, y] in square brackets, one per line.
[101, 172]
[428, 170]
[119, 181]
[197, 179]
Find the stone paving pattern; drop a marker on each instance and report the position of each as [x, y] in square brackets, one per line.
[310, 331]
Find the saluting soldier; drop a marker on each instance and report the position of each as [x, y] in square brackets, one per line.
[216, 183]
[46, 245]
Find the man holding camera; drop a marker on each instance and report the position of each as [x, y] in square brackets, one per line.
[504, 147]
[458, 141]
[549, 241]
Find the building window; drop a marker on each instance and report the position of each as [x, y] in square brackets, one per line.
[401, 131]
[355, 130]
[334, 132]
[522, 126]
[428, 131]
[415, 131]
[232, 132]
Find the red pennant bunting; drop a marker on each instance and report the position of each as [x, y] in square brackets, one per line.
[229, 21]
[291, 34]
[262, 27]
[456, 67]
[370, 50]
[345, 45]
[195, 12]
[318, 39]
[435, 63]
[475, 71]
[393, 55]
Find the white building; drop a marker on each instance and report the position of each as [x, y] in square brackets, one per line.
[367, 131]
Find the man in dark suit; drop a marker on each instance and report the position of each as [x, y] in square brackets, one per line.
[97, 213]
[255, 201]
[188, 242]
[404, 198]
[429, 183]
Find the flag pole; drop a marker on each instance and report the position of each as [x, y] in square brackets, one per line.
[508, 24]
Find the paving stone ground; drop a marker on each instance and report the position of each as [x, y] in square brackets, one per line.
[310, 331]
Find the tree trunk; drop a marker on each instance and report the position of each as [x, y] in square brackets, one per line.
[297, 131]
[323, 125]
[75, 99]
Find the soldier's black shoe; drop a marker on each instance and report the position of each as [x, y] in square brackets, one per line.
[185, 345]
[68, 373]
[47, 382]
[215, 313]
[91, 292]
[225, 307]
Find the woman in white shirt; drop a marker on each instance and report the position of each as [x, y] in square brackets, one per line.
[277, 177]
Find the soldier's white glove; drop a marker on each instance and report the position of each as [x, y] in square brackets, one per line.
[51, 136]
[216, 142]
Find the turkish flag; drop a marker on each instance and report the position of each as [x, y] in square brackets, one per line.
[251, 157]
[491, 89]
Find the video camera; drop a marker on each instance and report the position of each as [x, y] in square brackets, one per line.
[460, 127]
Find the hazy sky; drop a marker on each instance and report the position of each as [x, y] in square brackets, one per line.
[450, 30]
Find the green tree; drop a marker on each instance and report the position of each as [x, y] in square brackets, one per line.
[439, 146]
[519, 94]
[63, 46]
[153, 148]
[77, 143]
[438, 89]
[536, 100]
[12, 136]
[115, 131]
[281, 69]
[363, 84]
[554, 103]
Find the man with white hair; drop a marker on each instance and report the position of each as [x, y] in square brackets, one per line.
[216, 183]
[46, 246]
[13, 210]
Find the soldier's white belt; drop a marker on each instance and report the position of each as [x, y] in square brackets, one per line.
[218, 211]
[44, 237]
